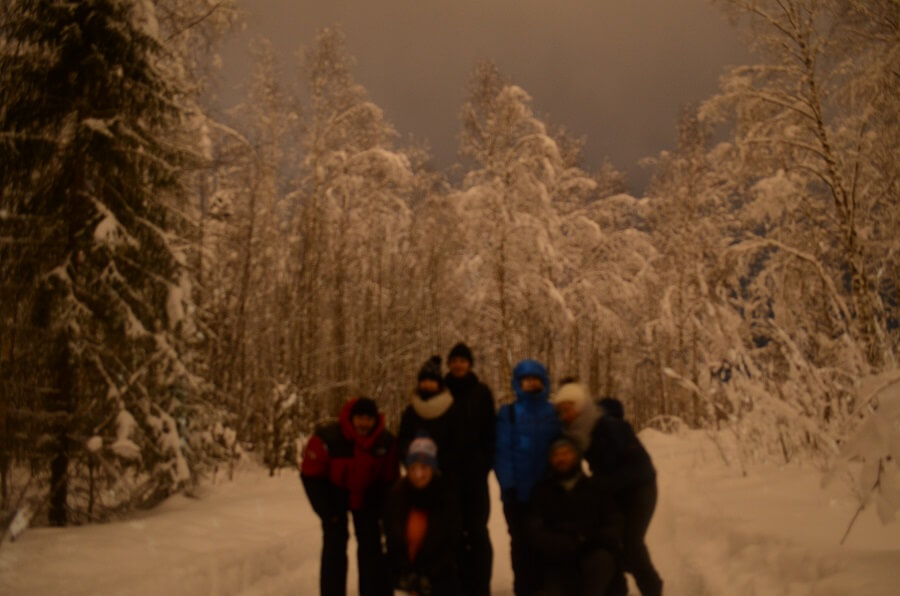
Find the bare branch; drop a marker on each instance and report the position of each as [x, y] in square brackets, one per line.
[196, 21]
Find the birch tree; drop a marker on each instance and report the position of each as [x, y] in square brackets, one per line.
[822, 109]
[531, 218]
[802, 295]
[350, 222]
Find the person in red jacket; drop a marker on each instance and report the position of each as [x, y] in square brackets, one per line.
[349, 465]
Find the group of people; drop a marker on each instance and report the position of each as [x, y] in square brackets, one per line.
[578, 489]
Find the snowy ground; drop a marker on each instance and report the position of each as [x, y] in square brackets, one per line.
[774, 532]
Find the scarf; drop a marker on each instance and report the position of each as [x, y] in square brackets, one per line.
[580, 429]
[433, 407]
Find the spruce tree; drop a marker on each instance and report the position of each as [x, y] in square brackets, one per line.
[91, 174]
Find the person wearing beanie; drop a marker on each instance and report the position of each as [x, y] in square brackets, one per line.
[619, 462]
[431, 370]
[576, 528]
[422, 450]
[349, 466]
[476, 421]
[524, 432]
[460, 350]
[421, 526]
[431, 411]
[612, 407]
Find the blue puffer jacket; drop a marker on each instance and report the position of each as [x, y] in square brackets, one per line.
[525, 430]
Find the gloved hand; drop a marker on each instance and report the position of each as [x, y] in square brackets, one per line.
[415, 584]
[408, 583]
[584, 543]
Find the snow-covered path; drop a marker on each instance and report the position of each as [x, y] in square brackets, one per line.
[774, 532]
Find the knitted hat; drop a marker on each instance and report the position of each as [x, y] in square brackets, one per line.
[460, 350]
[564, 441]
[571, 392]
[612, 407]
[424, 450]
[431, 370]
[364, 406]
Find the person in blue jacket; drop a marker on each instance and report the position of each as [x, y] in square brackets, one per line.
[525, 430]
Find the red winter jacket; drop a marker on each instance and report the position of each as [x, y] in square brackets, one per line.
[342, 470]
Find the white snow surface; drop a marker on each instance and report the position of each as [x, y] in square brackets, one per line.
[773, 532]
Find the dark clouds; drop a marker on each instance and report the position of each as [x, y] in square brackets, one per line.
[615, 71]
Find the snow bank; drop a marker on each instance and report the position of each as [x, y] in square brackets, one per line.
[235, 537]
[773, 532]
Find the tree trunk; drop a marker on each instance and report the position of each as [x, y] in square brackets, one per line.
[59, 406]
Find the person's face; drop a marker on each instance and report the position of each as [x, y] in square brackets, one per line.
[429, 385]
[363, 424]
[419, 474]
[459, 366]
[531, 384]
[563, 459]
[566, 411]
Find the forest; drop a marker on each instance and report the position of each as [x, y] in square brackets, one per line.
[180, 290]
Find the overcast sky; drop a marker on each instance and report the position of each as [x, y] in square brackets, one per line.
[615, 71]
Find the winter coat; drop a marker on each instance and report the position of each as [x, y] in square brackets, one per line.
[434, 564]
[437, 417]
[617, 457]
[563, 523]
[524, 432]
[477, 420]
[342, 470]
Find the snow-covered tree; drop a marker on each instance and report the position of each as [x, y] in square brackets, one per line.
[284, 424]
[92, 113]
[544, 271]
[815, 120]
[687, 198]
[246, 295]
[870, 455]
[350, 217]
[505, 211]
[802, 301]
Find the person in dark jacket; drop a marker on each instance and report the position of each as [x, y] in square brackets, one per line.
[476, 422]
[576, 528]
[431, 411]
[346, 466]
[616, 452]
[618, 459]
[524, 432]
[421, 526]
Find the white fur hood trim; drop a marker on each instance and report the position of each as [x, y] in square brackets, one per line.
[434, 407]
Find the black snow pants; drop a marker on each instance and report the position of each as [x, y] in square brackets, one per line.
[476, 556]
[525, 560]
[374, 579]
[594, 573]
[638, 511]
